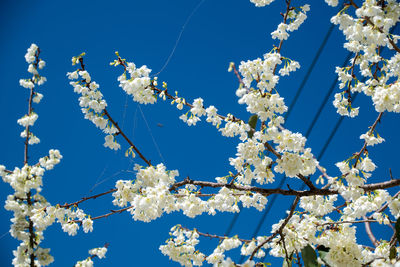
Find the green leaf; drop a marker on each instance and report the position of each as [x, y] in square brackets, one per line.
[393, 253]
[309, 257]
[253, 123]
[322, 251]
[397, 227]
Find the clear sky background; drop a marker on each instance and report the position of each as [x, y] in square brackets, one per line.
[220, 31]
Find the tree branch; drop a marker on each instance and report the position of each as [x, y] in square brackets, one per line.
[294, 204]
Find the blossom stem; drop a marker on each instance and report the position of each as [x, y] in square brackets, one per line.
[214, 236]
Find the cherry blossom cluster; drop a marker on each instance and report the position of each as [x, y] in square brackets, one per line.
[138, 84]
[148, 94]
[24, 203]
[231, 126]
[367, 33]
[35, 63]
[33, 214]
[149, 196]
[311, 226]
[181, 247]
[92, 103]
[294, 159]
[261, 3]
[218, 254]
[296, 17]
[95, 252]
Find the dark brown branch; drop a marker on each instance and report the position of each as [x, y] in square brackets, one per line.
[112, 212]
[382, 185]
[126, 138]
[32, 235]
[254, 189]
[66, 205]
[116, 124]
[263, 191]
[294, 204]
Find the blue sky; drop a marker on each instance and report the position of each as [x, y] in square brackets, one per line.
[145, 32]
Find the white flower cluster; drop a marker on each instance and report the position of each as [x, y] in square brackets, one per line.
[98, 252]
[263, 102]
[32, 213]
[149, 194]
[365, 204]
[212, 116]
[387, 98]
[138, 85]
[24, 182]
[296, 17]
[229, 263]
[290, 65]
[93, 105]
[68, 217]
[261, 3]
[32, 57]
[54, 158]
[292, 164]
[28, 120]
[371, 139]
[394, 206]
[299, 232]
[196, 112]
[24, 179]
[217, 257]
[332, 3]
[248, 248]
[342, 103]
[260, 70]
[266, 106]
[250, 154]
[295, 159]
[33, 139]
[343, 249]
[181, 247]
[365, 34]
[352, 175]
[318, 205]
[85, 263]
[95, 252]
[234, 128]
[343, 106]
